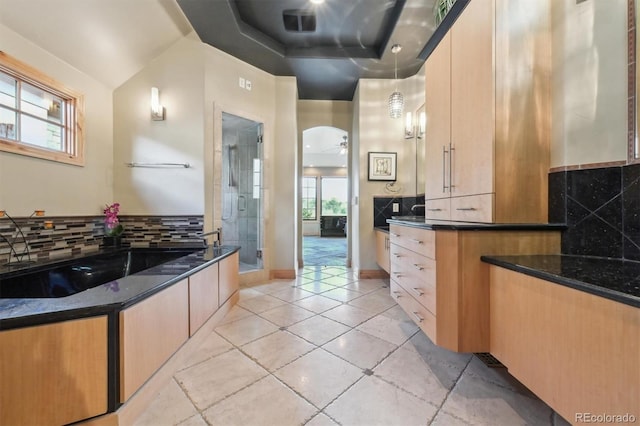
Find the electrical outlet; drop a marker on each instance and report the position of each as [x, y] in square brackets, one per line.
[248, 85]
[241, 82]
[396, 207]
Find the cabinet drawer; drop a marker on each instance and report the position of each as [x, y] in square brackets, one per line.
[416, 274]
[438, 209]
[473, 208]
[418, 313]
[422, 241]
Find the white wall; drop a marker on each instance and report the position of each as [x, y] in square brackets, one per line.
[589, 87]
[28, 183]
[179, 74]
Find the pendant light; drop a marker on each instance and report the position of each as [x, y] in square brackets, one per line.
[396, 100]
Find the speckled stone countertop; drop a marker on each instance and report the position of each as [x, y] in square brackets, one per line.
[449, 225]
[109, 297]
[614, 279]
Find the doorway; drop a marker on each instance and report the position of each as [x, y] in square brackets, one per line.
[325, 195]
[242, 189]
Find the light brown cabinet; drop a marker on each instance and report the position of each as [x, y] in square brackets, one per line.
[229, 280]
[55, 373]
[437, 277]
[488, 115]
[150, 332]
[382, 250]
[576, 351]
[203, 297]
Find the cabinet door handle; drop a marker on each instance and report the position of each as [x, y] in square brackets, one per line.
[417, 241]
[420, 292]
[394, 235]
[397, 274]
[451, 185]
[398, 294]
[467, 209]
[418, 267]
[435, 210]
[444, 168]
[418, 317]
[396, 255]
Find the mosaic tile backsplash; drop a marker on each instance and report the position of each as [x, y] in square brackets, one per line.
[601, 208]
[76, 235]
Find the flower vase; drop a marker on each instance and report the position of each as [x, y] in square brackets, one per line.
[115, 241]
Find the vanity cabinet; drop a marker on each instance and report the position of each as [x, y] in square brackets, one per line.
[55, 373]
[488, 115]
[437, 277]
[150, 332]
[577, 351]
[203, 296]
[382, 250]
[229, 277]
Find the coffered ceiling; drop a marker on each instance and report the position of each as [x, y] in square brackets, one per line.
[328, 46]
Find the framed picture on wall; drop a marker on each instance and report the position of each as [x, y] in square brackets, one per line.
[382, 166]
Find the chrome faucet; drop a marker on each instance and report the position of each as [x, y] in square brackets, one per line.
[217, 232]
[415, 206]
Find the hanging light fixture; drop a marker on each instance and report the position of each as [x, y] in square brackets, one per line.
[396, 100]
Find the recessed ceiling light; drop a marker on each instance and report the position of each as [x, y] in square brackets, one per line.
[317, 1]
[308, 146]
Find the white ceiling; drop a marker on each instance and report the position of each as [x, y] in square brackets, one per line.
[321, 147]
[110, 40]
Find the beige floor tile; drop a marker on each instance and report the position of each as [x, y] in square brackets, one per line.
[337, 280]
[396, 332]
[305, 279]
[360, 349]
[235, 314]
[286, 315]
[376, 302]
[317, 303]
[372, 402]
[292, 294]
[443, 362]
[318, 330]
[274, 286]
[246, 330]
[498, 376]
[261, 303]
[266, 402]
[338, 270]
[481, 402]
[218, 377]
[366, 286]
[317, 287]
[396, 313]
[348, 315]
[248, 293]
[194, 421]
[341, 294]
[212, 346]
[319, 376]
[321, 420]
[407, 370]
[277, 349]
[444, 419]
[170, 407]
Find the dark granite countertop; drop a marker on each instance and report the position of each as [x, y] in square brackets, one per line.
[614, 279]
[108, 297]
[450, 225]
[382, 228]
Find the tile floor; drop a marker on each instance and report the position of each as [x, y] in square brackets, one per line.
[324, 251]
[328, 349]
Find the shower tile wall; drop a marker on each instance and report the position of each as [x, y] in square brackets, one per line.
[240, 213]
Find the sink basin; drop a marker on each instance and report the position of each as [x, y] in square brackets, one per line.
[409, 218]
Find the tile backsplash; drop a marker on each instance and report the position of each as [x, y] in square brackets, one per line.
[74, 235]
[383, 208]
[601, 208]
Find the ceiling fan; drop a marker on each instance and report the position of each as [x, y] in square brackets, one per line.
[341, 147]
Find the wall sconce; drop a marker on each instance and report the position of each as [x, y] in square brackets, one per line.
[422, 124]
[157, 110]
[408, 126]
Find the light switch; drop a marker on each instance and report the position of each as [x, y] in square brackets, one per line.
[396, 207]
[241, 82]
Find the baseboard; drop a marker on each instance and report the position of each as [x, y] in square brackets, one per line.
[282, 274]
[372, 273]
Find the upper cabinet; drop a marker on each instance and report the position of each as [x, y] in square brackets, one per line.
[488, 115]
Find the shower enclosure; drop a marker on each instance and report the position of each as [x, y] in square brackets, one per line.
[242, 188]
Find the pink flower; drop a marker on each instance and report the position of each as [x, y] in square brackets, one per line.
[111, 221]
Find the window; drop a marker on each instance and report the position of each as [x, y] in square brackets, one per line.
[39, 117]
[334, 196]
[309, 196]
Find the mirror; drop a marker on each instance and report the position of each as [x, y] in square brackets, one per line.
[420, 152]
